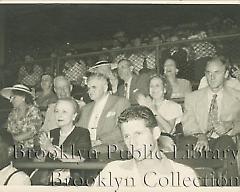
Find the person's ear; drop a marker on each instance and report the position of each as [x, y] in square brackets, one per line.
[156, 132]
[226, 74]
[177, 71]
[164, 90]
[71, 87]
[74, 116]
[131, 68]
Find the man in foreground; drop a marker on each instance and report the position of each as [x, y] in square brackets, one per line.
[149, 167]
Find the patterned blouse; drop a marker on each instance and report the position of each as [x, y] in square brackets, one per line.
[31, 122]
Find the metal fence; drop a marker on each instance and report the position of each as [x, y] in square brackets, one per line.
[186, 52]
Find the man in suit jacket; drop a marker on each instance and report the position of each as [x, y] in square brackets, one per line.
[133, 84]
[206, 132]
[100, 116]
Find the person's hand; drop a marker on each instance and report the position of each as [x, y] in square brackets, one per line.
[237, 74]
[223, 127]
[202, 143]
[81, 103]
[45, 142]
[141, 99]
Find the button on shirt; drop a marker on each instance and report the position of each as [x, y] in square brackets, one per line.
[95, 116]
[219, 103]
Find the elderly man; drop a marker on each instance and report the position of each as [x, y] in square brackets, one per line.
[149, 167]
[105, 68]
[9, 175]
[62, 88]
[133, 84]
[212, 115]
[100, 116]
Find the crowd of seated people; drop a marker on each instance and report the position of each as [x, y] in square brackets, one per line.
[209, 122]
[111, 112]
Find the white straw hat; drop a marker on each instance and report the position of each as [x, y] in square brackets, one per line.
[7, 92]
[102, 63]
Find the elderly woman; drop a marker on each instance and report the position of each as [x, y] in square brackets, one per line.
[180, 87]
[24, 121]
[75, 141]
[46, 96]
[168, 113]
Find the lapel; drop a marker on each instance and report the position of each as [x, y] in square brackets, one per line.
[55, 135]
[229, 106]
[68, 141]
[70, 138]
[87, 114]
[203, 109]
[132, 87]
[108, 106]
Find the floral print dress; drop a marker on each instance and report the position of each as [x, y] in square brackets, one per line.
[31, 122]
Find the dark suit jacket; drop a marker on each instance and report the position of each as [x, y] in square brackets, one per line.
[79, 138]
[107, 131]
[139, 83]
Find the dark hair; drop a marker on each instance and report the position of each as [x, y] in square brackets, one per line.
[28, 97]
[166, 85]
[138, 112]
[222, 59]
[75, 106]
[171, 58]
[6, 137]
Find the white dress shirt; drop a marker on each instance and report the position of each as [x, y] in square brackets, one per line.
[128, 83]
[95, 116]
[19, 178]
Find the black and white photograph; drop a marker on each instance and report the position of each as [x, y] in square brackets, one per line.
[119, 96]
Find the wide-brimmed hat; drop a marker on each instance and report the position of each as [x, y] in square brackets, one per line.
[100, 64]
[7, 92]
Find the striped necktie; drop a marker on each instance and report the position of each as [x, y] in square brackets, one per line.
[212, 115]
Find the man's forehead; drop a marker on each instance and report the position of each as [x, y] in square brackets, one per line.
[215, 66]
[61, 83]
[46, 78]
[95, 81]
[135, 124]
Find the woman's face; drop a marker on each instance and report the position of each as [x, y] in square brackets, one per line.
[156, 88]
[46, 82]
[17, 100]
[170, 67]
[64, 113]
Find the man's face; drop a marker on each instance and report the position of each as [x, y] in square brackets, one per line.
[139, 137]
[215, 74]
[62, 88]
[124, 70]
[96, 88]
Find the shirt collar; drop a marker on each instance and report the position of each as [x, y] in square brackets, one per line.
[7, 168]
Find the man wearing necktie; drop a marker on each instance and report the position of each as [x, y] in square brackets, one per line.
[133, 84]
[212, 116]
